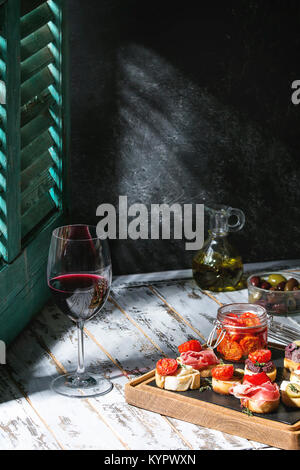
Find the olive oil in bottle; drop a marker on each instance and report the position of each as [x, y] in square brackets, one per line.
[217, 266]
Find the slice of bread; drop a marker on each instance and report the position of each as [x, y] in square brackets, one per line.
[184, 379]
[266, 407]
[223, 386]
[295, 377]
[290, 365]
[286, 399]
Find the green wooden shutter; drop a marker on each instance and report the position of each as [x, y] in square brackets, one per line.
[33, 152]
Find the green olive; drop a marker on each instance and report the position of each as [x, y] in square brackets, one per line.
[291, 284]
[255, 297]
[291, 304]
[293, 390]
[275, 279]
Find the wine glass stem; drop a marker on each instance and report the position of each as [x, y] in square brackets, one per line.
[80, 368]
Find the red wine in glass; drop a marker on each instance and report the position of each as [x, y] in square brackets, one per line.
[79, 278]
[80, 296]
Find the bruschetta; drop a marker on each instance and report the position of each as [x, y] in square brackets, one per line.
[171, 375]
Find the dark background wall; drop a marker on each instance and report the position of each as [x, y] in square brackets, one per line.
[187, 102]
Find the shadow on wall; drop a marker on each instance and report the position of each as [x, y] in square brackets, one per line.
[151, 132]
[184, 140]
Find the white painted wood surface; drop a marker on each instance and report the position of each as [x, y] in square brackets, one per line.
[145, 318]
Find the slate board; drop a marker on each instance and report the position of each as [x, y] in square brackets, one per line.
[282, 414]
[279, 429]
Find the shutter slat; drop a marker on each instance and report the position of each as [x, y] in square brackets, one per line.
[35, 127]
[10, 152]
[33, 172]
[35, 42]
[39, 26]
[35, 107]
[35, 63]
[35, 20]
[29, 5]
[37, 147]
[37, 213]
[32, 195]
[35, 85]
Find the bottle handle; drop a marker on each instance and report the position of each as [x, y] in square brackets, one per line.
[240, 216]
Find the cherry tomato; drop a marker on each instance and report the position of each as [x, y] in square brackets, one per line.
[232, 351]
[234, 335]
[250, 344]
[223, 372]
[193, 345]
[232, 320]
[167, 366]
[222, 345]
[250, 319]
[262, 356]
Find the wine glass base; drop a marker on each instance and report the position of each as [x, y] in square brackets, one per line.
[91, 385]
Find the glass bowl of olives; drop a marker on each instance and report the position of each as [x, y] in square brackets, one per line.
[278, 293]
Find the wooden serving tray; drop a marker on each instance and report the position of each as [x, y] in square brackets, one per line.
[280, 429]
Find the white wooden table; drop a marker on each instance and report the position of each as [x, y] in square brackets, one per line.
[145, 318]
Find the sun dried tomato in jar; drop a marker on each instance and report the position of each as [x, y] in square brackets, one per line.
[246, 328]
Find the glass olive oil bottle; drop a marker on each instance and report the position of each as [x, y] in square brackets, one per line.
[217, 266]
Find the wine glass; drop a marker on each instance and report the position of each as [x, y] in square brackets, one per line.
[79, 277]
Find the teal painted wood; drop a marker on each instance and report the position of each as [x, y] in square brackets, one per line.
[35, 19]
[23, 286]
[43, 101]
[28, 5]
[11, 200]
[37, 107]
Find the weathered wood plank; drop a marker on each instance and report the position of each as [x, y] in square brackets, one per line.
[76, 425]
[137, 428]
[187, 300]
[20, 427]
[159, 323]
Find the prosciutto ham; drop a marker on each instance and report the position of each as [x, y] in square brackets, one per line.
[259, 393]
[199, 360]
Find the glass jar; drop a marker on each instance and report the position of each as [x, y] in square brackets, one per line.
[246, 330]
[275, 302]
